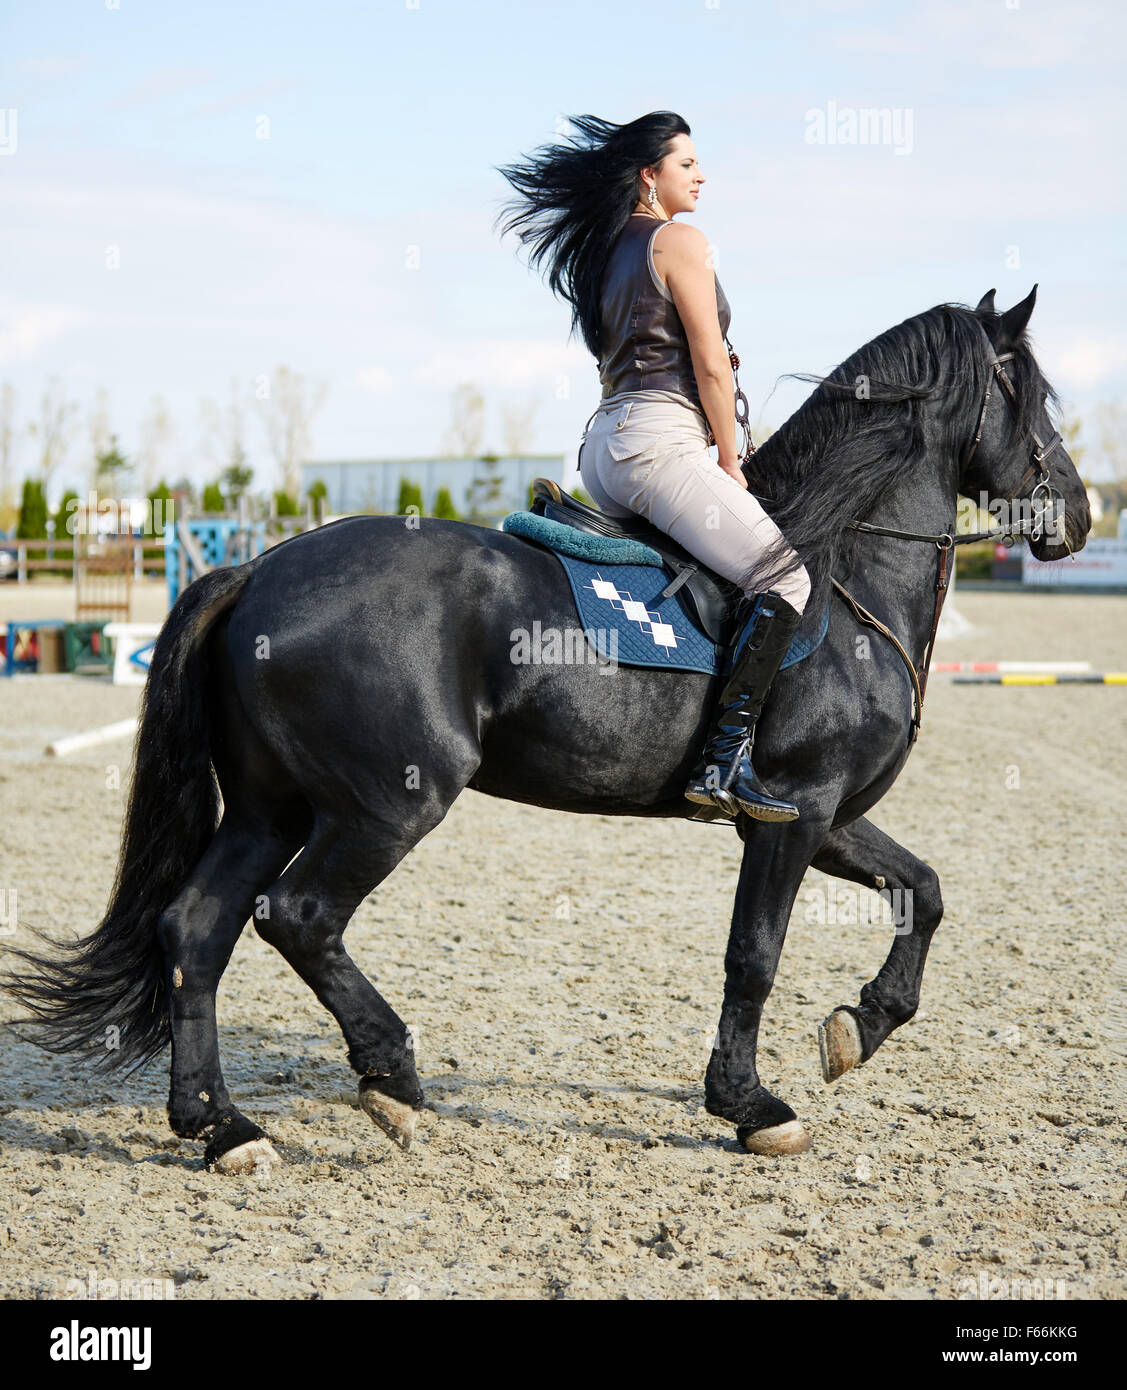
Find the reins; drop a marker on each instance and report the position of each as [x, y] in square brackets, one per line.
[862, 614]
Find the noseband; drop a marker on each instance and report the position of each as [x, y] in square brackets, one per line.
[1041, 497]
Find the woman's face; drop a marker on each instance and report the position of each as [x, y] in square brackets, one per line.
[678, 180]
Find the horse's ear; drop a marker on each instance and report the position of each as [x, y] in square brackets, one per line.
[1014, 320]
[986, 304]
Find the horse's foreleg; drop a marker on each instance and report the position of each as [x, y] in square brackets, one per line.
[774, 861]
[861, 853]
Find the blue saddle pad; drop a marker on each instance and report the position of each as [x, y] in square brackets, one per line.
[621, 609]
[626, 619]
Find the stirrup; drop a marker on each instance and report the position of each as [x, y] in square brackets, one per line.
[770, 808]
[752, 799]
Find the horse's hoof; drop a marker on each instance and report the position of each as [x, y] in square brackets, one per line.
[839, 1041]
[397, 1120]
[776, 1141]
[259, 1157]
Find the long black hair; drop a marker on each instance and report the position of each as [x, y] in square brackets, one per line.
[576, 196]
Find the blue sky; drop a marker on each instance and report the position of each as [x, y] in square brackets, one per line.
[137, 127]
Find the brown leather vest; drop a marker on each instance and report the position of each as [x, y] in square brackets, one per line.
[644, 343]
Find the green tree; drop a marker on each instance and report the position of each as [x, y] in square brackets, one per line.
[318, 494]
[213, 500]
[410, 495]
[444, 505]
[111, 466]
[285, 504]
[65, 517]
[33, 512]
[485, 495]
[236, 478]
[160, 509]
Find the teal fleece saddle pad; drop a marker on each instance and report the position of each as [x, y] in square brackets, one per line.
[624, 615]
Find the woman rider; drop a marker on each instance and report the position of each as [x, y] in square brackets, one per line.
[651, 310]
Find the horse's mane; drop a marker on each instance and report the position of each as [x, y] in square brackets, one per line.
[839, 452]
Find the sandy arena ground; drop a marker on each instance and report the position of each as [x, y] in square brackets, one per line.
[563, 977]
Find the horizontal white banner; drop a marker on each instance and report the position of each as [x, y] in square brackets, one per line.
[1102, 561]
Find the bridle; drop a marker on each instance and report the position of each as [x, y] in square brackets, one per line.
[1041, 450]
[1040, 498]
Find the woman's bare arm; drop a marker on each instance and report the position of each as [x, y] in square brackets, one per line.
[685, 267]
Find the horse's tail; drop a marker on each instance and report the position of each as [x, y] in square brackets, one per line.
[104, 995]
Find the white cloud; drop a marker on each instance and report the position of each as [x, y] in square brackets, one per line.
[505, 363]
[376, 381]
[997, 36]
[55, 65]
[1086, 362]
[28, 327]
[245, 97]
[215, 263]
[162, 83]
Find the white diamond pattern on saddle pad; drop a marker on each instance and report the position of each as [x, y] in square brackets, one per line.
[632, 608]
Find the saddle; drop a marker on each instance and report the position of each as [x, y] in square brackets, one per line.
[714, 600]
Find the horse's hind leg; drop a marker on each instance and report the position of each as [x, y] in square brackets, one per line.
[309, 908]
[861, 853]
[197, 933]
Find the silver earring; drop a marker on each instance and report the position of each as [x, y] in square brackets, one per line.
[653, 194]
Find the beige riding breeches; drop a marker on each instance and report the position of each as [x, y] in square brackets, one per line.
[646, 453]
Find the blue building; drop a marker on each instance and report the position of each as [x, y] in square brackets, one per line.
[488, 488]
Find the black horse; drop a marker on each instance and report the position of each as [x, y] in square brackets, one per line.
[348, 684]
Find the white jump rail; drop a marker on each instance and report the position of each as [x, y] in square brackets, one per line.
[108, 733]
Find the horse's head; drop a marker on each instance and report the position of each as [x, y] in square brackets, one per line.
[1016, 457]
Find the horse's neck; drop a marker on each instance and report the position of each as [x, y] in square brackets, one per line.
[896, 578]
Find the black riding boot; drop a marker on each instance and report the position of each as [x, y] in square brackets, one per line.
[724, 775]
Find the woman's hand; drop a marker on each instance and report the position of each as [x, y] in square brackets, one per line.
[732, 468]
